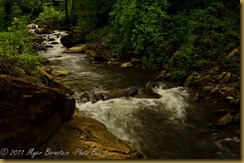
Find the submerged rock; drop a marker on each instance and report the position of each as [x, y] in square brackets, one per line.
[148, 91]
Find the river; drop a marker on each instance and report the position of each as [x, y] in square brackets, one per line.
[170, 127]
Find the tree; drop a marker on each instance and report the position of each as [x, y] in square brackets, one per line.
[66, 10]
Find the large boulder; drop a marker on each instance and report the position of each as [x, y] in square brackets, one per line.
[80, 48]
[85, 138]
[73, 39]
[30, 113]
[100, 52]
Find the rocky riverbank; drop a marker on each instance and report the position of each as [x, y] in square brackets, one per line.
[37, 118]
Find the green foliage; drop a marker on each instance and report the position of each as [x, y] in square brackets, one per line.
[179, 75]
[15, 49]
[231, 64]
[51, 17]
[92, 14]
[139, 28]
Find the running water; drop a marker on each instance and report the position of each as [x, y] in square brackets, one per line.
[170, 127]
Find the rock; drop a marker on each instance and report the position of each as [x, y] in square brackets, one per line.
[161, 75]
[43, 30]
[73, 39]
[196, 97]
[30, 114]
[43, 60]
[77, 49]
[102, 53]
[215, 89]
[225, 120]
[37, 39]
[204, 80]
[31, 26]
[148, 91]
[226, 78]
[54, 43]
[229, 98]
[18, 71]
[98, 57]
[189, 79]
[48, 69]
[60, 73]
[49, 46]
[207, 88]
[126, 65]
[86, 138]
[136, 61]
[219, 77]
[51, 39]
[113, 61]
[98, 94]
[237, 118]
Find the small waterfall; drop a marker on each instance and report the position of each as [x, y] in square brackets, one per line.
[141, 121]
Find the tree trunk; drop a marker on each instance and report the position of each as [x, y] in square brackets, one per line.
[66, 10]
[73, 5]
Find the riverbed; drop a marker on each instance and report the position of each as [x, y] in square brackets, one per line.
[171, 127]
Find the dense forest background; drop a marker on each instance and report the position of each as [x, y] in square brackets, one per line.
[183, 35]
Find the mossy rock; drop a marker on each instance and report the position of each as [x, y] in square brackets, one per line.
[60, 73]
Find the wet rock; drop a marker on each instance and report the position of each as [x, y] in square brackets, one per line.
[219, 77]
[51, 39]
[37, 39]
[136, 61]
[203, 80]
[148, 91]
[43, 30]
[226, 78]
[48, 69]
[73, 39]
[80, 48]
[54, 43]
[189, 79]
[104, 55]
[43, 60]
[126, 65]
[196, 97]
[30, 114]
[31, 26]
[207, 88]
[237, 118]
[60, 73]
[229, 98]
[161, 75]
[113, 61]
[100, 94]
[86, 138]
[215, 89]
[102, 52]
[225, 120]
[49, 46]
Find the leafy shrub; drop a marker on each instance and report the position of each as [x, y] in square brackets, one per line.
[231, 64]
[16, 52]
[139, 27]
[178, 75]
[51, 17]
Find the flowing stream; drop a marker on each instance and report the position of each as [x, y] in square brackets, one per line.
[170, 127]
